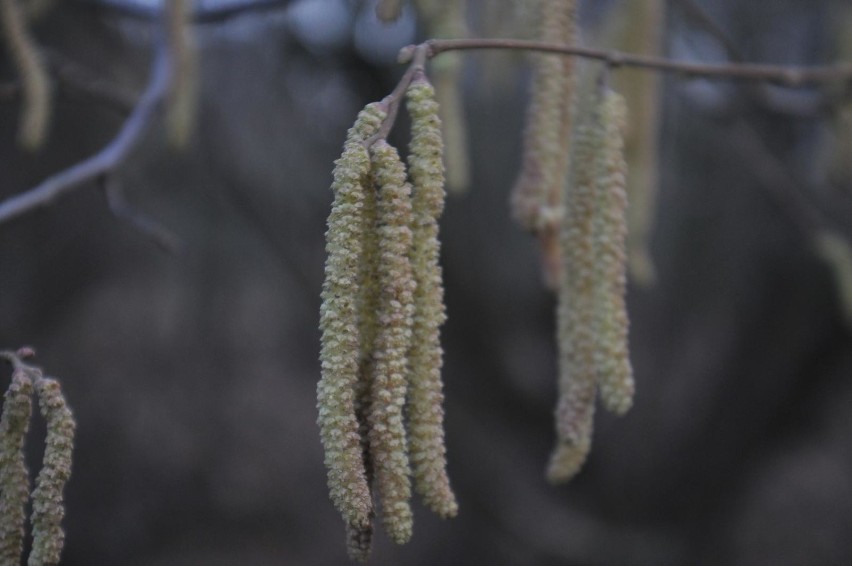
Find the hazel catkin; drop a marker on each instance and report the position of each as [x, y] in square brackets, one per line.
[387, 435]
[425, 399]
[340, 352]
[14, 478]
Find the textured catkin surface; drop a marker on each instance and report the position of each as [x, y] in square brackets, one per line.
[14, 478]
[425, 396]
[612, 356]
[576, 310]
[340, 353]
[388, 442]
[48, 498]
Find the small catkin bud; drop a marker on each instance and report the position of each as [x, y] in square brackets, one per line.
[425, 396]
[48, 506]
[388, 444]
[576, 311]
[35, 113]
[615, 372]
[14, 479]
[340, 352]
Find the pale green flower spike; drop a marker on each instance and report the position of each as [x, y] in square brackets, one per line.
[48, 508]
[576, 311]
[615, 373]
[388, 445]
[14, 478]
[425, 395]
[340, 352]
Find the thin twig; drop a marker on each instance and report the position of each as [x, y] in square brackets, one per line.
[416, 55]
[780, 74]
[165, 239]
[106, 160]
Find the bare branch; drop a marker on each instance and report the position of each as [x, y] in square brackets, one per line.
[106, 160]
[780, 74]
[165, 239]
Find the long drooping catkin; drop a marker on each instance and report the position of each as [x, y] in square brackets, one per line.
[35, 114]
[48, 507]
[537, 195]
[615, 373]
[388, 443]
[425, 396]
[341, 348]
[576, 310]
[14, 479]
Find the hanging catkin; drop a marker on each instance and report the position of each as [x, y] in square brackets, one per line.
[425, 397]
[14, 479]
[388, 444]
[611, 323]
[35, 83]
[340, 352]
[576, 309]
[537, 195]
[48, 507]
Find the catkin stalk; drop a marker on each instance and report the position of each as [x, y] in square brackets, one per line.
[426, 398]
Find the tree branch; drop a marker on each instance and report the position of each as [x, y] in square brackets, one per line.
[779, 74]
[109, 157]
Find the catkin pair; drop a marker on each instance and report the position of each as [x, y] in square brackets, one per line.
[48, 507]
[592, 317]
[380, 394]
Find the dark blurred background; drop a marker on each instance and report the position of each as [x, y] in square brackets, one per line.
[193, 377]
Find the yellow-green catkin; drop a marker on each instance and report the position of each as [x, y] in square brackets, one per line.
[183, 94]
[14, 479]
[576, 310]
[388, 443]
[48, 506]
[537, 195]
[340, 352]
[35, 112]
[425, 395]
[615, 372]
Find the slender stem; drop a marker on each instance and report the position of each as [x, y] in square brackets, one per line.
[781, 74]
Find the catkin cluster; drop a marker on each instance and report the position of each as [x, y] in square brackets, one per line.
[591, 314]
[48, 507]
[380, 395]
